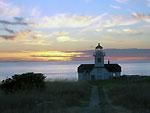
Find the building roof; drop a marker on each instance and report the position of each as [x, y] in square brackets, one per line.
[85, 67]
[89, 67]
[113, 67]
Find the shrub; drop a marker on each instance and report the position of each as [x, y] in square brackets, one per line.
[23, 81]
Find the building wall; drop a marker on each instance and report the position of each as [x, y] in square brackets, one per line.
[101, 73]
[98, 73]
[116, 74]
[84, 76]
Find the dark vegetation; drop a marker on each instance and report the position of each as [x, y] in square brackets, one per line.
[133, 93]
[129, 92]
[54, 97]
[24, 81]
[30, 93]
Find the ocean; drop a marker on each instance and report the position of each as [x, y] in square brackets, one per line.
[65, 70]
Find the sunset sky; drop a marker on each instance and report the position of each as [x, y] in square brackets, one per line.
[62, 30]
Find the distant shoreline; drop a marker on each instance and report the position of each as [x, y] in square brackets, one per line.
[88, 61]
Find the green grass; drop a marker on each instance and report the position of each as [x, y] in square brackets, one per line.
[131, 93]
[55, 98]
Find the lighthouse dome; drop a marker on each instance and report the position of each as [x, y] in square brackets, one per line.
[99, 46]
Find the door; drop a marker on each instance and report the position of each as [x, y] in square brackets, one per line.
[92, 77]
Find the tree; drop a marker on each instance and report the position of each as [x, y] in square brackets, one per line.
[25, 81]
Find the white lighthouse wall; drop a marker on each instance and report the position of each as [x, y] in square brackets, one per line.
[99, 58]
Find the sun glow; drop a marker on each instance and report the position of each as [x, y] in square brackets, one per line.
[39, 56]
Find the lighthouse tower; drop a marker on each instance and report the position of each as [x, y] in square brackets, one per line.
[99, 56]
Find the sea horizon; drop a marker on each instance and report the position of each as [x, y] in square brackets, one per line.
[66, 70]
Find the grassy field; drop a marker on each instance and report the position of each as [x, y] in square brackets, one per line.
[118, 95]
[55, 98]
[125, 94]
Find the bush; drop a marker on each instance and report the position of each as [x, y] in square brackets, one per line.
[23, 81]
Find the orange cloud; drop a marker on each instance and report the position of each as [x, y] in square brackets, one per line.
[39, 56]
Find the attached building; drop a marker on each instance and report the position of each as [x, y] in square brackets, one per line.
[99, 70]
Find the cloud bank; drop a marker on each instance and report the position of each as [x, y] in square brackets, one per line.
[8, 9]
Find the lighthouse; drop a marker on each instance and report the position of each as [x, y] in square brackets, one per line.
[98, 70]
[99, 55]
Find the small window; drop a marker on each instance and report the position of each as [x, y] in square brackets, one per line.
[99, 59]
[114, 74]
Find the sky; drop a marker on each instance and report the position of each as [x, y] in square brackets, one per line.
[64, 30]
